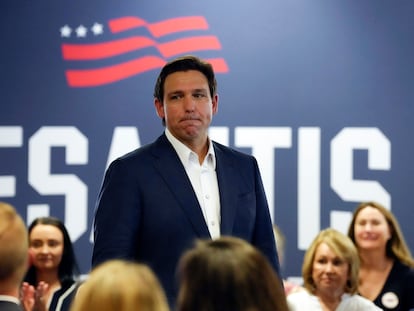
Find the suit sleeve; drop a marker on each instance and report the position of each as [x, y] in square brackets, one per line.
[116, 219]
[264, 238]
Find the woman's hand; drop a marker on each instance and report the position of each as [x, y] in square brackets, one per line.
[34, 299]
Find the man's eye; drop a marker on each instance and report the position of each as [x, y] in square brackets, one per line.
[175, 97]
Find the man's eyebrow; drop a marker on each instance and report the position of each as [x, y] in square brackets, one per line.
[201, 89]
[198, 90]
[175, 92]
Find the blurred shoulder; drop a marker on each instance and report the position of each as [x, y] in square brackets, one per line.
[299, 297]
[357, 302]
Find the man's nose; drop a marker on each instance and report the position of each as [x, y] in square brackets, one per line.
[189, 103]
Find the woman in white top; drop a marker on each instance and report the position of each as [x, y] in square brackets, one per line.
[330, 274]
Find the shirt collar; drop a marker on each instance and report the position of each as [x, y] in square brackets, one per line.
[185, 154]
[9, 298]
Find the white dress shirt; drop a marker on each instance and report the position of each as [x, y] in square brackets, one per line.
[203, 178]
[9, 299]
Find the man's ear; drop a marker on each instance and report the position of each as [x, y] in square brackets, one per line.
[159, 107]
[214, 102]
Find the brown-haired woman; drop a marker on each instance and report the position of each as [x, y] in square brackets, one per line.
[386, 276]
[227, 274]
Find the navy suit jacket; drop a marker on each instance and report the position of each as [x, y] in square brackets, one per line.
[147, 210]
[9, 306]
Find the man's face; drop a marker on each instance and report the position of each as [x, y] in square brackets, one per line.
[187, 106]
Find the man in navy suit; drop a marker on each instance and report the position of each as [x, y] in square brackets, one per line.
[14, 252]
[156, 200]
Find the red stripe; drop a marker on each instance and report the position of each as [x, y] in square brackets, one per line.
[109, 49]
[219, 65]
[126, 23]
[191, 44]
[103, 50]
[178, 24]
[162, 28]
[97, 77]
[106, 75]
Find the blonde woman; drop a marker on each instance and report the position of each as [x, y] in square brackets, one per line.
[330, 274]
[119, 285]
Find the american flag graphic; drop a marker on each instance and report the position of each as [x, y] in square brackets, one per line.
[121, 40]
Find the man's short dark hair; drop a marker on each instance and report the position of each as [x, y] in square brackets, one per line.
[185, 63]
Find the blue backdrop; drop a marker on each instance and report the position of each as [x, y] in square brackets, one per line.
[321, 92]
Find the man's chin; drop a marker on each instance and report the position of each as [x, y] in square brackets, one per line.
[192, 131]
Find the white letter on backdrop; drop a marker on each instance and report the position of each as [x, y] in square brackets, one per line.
[46, 183]
[379, 158]
[10, 136]
[124, 140]
[309, 185]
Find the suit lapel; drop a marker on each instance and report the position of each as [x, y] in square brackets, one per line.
[174, 175]
[228, 187]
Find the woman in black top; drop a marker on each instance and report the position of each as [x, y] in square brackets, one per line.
[386, 275]
[50, 283]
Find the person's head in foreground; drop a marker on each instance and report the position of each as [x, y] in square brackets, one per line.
[118, 285]
[228, 274]
[13, 250]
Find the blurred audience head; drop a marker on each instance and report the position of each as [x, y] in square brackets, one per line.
[228, 274]
[119, 285]
[13, 249]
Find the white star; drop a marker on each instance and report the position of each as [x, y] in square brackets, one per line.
[81, 31]
[65, 31]
[97, 29]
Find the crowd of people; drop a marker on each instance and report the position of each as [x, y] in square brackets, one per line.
[371, 268]
[183, 224]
